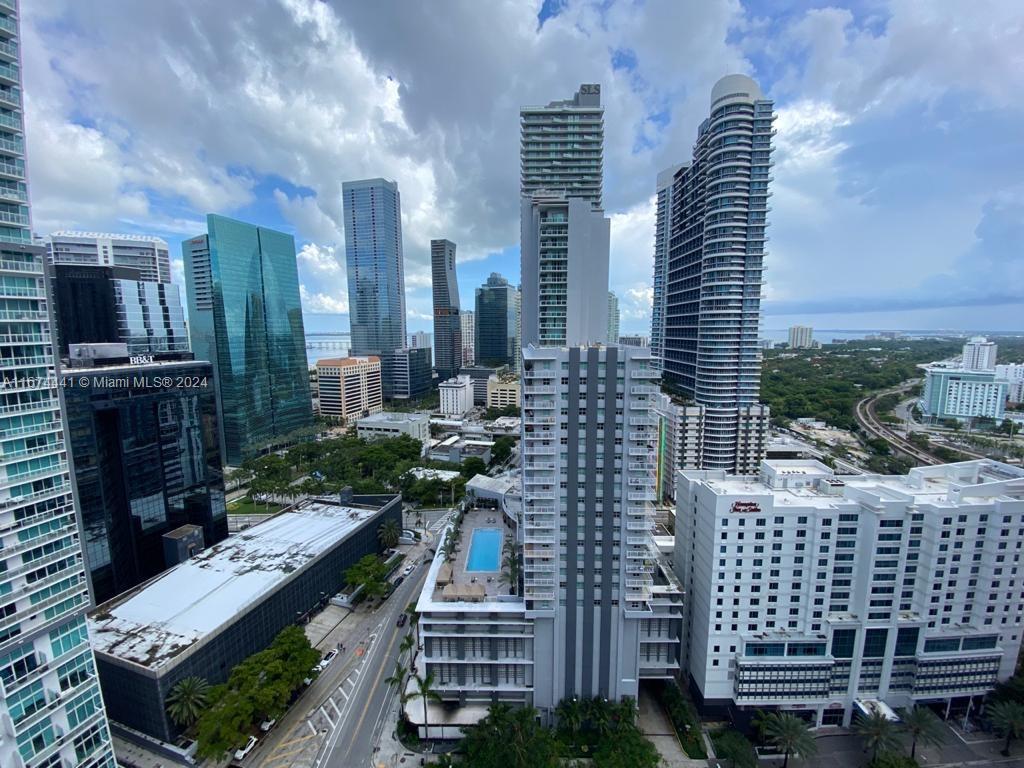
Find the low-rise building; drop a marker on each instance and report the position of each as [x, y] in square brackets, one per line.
[819, 593]
[957, 393]
[204, 616]
[456, 396]
[456, 449]
[480, 374]
[392, 424]
[503, 392]
[349, 387]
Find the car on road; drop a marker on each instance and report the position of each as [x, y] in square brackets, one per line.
[401, 620]
[266, 725]
[241, 754]
[409, 569]
[326, 660]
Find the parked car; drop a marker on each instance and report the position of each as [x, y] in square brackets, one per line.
[397, 582]
[326, 660]
[241, 754]
[402, 619]
[266, 725]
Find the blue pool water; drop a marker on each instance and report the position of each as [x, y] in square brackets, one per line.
[484, 550]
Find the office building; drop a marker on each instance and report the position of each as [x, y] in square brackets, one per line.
[586, 493]
[406, 373]
[955, 393]
[634, 340]
[496, 319]
[825, 595]
[149, 255]
[662, 232]
[504, 391]
[801, 337]
[456, 396]
[480, 375]
[562, 147]
[717, 221]
[447, 322]
[420, 340]
[245, 317]
[979, 354]
[613, 318]
[680, 440]
[467, 322]
[387, 424]
[376, 266]
[204, 616]
[145, 459]
[51, 712]
[564, 252]
[114, 305]
[349, 387]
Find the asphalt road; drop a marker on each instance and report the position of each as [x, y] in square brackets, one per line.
[352, 742]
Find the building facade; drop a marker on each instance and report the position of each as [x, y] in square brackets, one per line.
[504, 392]
[447, 322]
[406, 373]
[388, 424]
[113, 305]
[467, 322]
[51, 711]
[496, 318]
[819, 594]
[245, 317]
[562, 146]
[613, 318]
[680, 440]
[955, 393]
[145, 460]
[456, 396]
[718, 217]
[349, 387]
[480, 375]
[979, 354]
[376, 266]
[662, 232]
[149, 255]
[801, 337]
[564, 251]
[604, 614]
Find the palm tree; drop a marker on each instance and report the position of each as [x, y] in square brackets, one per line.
[424, 690]
[187, 699]
[406, 645]
[414, 620]
[397, 679]
[570, 718]
[790, 734]
[388, 533]
[878, 732]
[513, 562]
[922, 725]
[1007, 718]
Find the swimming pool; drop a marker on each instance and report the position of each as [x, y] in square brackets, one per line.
[484, 550]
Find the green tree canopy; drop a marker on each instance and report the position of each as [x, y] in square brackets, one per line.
[511, 738]
[790, 734]
[187, 699]
[877, 732]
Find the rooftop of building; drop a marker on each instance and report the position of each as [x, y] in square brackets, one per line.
[425, 473]
[74, 234]
[809, 483]
[394, 417]
[494, 485]
[195, 600]
[342, 362]
[183, 531]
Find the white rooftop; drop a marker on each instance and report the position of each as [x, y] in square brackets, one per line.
[424, 473]
[393, 417]
[198, 598]
[108, 236]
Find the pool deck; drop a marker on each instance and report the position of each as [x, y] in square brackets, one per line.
[491, 580]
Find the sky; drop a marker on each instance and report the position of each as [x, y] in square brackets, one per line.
[898, 192]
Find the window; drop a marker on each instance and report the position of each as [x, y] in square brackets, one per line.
[874, 643]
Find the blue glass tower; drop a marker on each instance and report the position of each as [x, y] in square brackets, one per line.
[376, 270]
[51, 711]
[245, 317]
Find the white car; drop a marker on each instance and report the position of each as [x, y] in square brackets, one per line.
[241, 754]
[326, 660]
[409, 569]
[266, 725]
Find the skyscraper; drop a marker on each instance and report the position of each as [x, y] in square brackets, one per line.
[562, 147]
[718, 217]
[145, 253]
[447, 324]
[376, 267]
[467, 320]
[613, 318]
[245, 317]
[979, 354]
[564, 251]
[50, 706]
[662, 229]
[801, 337]
[496, 342]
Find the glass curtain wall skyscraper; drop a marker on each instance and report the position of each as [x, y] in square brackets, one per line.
[51, 711]
[245, 317]
[447, 322]
[496, 322]
[661, 235]
[716, 224]
[376, 267]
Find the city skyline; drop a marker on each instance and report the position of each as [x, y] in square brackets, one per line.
[860, 149]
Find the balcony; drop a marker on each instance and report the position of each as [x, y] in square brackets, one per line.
[12, 170]
[8, 25]
[9, 97]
